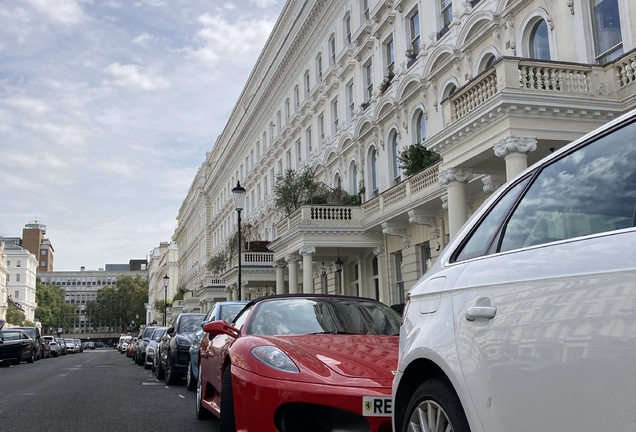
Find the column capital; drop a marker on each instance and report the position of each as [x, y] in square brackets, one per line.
[292, 258]
[444, 199]
[281, 263]
[422, 219]
[307, 250]
[493, 182]
[458, 175]
[378, 251]
[515, 145]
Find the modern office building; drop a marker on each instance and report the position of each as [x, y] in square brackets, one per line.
[81, 287]
[345, 87]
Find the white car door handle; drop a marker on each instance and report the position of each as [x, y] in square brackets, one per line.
[475, 312]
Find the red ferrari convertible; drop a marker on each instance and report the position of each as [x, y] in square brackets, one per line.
[291, 363]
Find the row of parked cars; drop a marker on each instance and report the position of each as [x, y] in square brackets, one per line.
[18, 344]
[526, 320]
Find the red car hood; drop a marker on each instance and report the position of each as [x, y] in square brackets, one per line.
[356, 356]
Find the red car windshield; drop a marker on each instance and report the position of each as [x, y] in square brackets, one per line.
[298, 316]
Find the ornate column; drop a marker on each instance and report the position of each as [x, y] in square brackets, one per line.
[383, 278]
[515, 151]
[455, 180]
[492, 183]
[292, 261]
[307, 253]
[280, 276]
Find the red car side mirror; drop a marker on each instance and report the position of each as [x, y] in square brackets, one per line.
[221, 327]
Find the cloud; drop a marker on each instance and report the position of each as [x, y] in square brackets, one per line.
[130, 76]
[112, 5]
[264, 3]
[65, 12]
[236, 42]
[144, 40]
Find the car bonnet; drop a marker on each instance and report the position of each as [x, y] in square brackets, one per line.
[356, 356]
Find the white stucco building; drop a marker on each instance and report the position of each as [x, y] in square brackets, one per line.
[345, 86]
[163, 262]
[21, 266]
[4, 294]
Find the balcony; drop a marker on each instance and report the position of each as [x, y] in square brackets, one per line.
[319, 215]
[253, 259]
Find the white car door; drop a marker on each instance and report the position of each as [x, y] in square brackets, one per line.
[545, 321]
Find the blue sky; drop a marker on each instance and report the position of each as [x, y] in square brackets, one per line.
[107, 109]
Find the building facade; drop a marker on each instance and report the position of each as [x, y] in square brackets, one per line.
[21, 268]
[81, 287]
[4, 293]
[492, 86]
[163, 262]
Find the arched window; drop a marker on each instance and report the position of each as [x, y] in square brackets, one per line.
[606, 24]
[419, 127]
[487, 62]
[450, 90]
[353, 178]
[395, 161]
[337, 183]
[374, 179]
[539, 44]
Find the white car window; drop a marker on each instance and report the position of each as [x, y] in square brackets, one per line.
[589, 191]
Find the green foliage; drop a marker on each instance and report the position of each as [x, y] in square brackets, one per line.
[117, 306]
[28, 323]
[415, 158]
[386, 82]
[52, 311]
[159, 305]
[15, 316]
[294, 189]
[217, 263]
[180, 293]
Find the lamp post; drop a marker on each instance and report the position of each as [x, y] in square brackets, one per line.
[165, 297]
[239, 201]
[339, 265]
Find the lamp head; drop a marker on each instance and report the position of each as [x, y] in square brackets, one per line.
[239, 196]
[165, 281]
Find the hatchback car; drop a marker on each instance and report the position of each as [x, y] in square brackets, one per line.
[527, 319]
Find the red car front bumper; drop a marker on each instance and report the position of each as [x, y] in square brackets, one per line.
[264, 404]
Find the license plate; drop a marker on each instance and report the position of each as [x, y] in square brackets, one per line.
[373, 406]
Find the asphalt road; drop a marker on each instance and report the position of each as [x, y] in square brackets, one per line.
[97, 390]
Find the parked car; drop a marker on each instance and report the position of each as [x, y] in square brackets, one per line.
[34, 333]
[62, 346]
[142, 344]
[90, 345]
[78, 344]
[15, 345]
[99, 344]
[123, 345]
[528, 314]
[53, 346]
[175, 351]
[131, 347]
[225, 311]
[289, 361]
[71, 347]
[155, 337]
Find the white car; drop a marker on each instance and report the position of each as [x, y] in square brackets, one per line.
[123, 347]
[527, 320]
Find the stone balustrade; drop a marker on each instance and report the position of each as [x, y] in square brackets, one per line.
[624, 69]
[254, 258]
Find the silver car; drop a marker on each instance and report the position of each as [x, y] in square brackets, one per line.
[71, 348]
[527, 320]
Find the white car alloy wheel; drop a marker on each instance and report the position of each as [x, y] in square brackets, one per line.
[202, 413]
[429, 416]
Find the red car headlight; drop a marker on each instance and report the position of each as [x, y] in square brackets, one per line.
[274, 358]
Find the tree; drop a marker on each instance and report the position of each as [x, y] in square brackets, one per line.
[294, 189]
[14, 315]
[415, 158]
[52, 311]
[119, 305]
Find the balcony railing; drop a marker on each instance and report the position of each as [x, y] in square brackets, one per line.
[512, 74]
[253, 258]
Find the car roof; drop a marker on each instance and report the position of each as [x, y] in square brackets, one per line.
[291, 296]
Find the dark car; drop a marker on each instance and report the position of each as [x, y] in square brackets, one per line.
[142, 344]
[225, 311]
[34, 333]
[15, 346]
[174, 358]
[99, 344]
[155, 338]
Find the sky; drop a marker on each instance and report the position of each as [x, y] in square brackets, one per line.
[107, 109]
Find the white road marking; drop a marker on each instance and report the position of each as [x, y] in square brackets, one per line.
[149, 384]
[167, 387]
[62, 374]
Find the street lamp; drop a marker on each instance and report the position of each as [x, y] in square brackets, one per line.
[339, 265]
[165, 297]
[239, 201]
